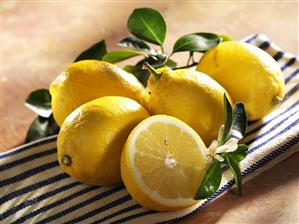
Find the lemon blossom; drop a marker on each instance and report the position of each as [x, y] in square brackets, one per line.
[214, 149]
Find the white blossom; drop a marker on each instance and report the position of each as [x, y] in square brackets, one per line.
[214, 149]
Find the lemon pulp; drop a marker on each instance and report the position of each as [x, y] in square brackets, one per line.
[163, 163]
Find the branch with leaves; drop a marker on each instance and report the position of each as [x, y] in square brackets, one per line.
[147, 26]
[226, 151]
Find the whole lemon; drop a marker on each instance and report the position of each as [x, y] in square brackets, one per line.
[91, 139]
[191, 96]
[249, 74]
[86, 80]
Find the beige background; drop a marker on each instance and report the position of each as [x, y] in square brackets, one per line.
[40, 38]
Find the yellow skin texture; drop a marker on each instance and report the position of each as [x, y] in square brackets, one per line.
[86, 80]
[93, 137]
[249, 74]
[191, 96]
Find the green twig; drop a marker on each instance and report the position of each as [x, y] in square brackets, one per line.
[187, 66]
[189, 59]
[151, 70]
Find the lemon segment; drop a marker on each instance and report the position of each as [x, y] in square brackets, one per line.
[163, 163]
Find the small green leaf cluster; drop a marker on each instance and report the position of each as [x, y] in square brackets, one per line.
[148, 28]
[235, 125]
[39, 101]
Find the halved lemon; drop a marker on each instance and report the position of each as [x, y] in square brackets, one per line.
[163, 163]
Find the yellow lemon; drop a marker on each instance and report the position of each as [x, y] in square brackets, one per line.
[163, 163]
[249, 74]
[86, 80]
[91, 138]
[191, 96]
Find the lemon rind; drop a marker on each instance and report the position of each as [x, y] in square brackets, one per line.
[178, 202]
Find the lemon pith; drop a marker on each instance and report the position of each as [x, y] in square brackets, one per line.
[163, 163]
[91, 139]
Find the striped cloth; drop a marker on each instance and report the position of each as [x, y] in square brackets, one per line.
[33, 188]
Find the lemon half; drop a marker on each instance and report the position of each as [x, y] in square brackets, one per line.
[163, 163]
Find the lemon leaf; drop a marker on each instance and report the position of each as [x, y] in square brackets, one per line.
[211, 181]
[240, 153]
[129, 68]
[196, 42]
[41, 127]
[135, 43]
[155, 60]
[141, 74]
[170, 63]
[147, 24]
[228, 117]
[96, 52]
[239, 122]
[235, 121]
[225, 37]
[116, 56]
[234, 166]
[39, 101]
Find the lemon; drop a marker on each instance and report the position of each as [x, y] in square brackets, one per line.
[163, 163]
[249, 74]
[91, 139]
[191, 96]
[86, 80]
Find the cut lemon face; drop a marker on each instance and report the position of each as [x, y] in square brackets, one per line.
[163, 163]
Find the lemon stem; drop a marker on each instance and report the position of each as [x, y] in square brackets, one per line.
[152, 71]
[66, 160]
[276, 100]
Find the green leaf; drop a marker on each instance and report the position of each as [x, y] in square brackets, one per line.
[96, 52]
[234, 166]
[235, 121]
[240, 153]
[156, 61]
[198, 42]
[39, 101]
[228, 118]
[224, 37]
[211, 181]
[239, 122]
[116, 56]
[170, 63]
[135, 43]
[141, 74]
[147, 24]
[129, 68]
[41, 127]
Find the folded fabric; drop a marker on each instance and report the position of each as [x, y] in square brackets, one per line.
[33, 188]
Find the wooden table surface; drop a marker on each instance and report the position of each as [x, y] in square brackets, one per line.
[40, 38]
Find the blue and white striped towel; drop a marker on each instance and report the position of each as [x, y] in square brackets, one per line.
[33, 188]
